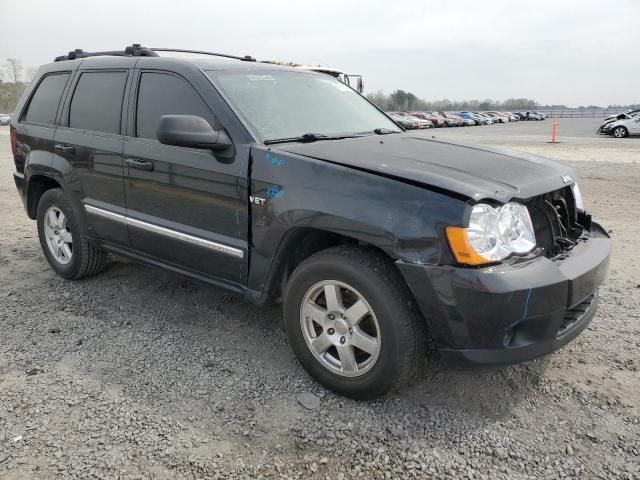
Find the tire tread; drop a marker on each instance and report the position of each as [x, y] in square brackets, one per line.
[408, 324]
[91, 260]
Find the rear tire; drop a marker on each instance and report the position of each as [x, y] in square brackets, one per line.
[326, 335]
[620, 132]
[67, 250]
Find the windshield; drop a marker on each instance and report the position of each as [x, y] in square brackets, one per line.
[286, 104]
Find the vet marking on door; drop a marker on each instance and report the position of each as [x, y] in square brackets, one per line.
[257, 200]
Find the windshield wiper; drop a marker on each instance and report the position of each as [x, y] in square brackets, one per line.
[307, 137]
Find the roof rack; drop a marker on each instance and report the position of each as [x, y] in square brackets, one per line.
[246, 58]
[135, 50]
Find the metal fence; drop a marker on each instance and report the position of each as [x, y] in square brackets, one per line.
[579, 112]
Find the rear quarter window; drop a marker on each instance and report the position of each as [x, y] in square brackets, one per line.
[97, 102]
[44, 103]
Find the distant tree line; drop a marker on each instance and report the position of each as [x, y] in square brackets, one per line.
[399, 100]
[14, 79]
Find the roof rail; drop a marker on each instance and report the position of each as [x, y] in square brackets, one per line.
[246, 58]
[135, 50]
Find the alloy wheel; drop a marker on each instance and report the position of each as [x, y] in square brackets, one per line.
[340, 328]
[57, 232]
[620, 132]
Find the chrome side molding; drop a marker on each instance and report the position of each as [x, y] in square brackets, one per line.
[167, 232]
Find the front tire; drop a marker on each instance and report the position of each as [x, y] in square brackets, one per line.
[352, 322]
[67, 250]
[620, 132]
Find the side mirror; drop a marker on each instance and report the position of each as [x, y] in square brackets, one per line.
[190, 131]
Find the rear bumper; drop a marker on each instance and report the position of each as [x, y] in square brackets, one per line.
[510, 313]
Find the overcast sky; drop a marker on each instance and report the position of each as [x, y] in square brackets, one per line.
[576, 52]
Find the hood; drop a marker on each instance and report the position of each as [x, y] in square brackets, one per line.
[619, 116]
[621, 122]
[468, 170]
[623, 117]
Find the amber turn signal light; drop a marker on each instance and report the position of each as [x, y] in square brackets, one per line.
[461, 248]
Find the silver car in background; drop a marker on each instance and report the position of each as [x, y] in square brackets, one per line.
[624, 128]
[5, 118]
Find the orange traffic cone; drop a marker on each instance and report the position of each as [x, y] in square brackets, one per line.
[554, 129]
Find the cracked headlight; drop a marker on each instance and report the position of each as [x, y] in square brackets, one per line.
[493, 234]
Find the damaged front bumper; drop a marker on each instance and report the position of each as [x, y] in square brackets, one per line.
[510, 313]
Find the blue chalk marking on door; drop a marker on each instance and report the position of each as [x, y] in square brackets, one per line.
[274, 191]
[275, 161]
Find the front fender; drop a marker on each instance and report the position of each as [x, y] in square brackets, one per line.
[290, 192]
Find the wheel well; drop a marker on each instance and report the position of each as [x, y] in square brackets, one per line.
[37, 186]
[295, 248]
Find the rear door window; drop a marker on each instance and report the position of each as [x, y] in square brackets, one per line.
[97, 102]
[164, 94]
[44, 102]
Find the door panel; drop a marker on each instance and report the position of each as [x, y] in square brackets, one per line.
[184, 207]
[88, 147]
[187, 192]
[97, 163]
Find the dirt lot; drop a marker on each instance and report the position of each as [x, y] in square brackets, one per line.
[144, 374]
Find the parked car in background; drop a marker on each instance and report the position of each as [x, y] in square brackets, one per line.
[488, 120]
[5, 119]
[513, 117]
[534, 116]
[468, 118]
[409, 121]
[422, 122]
[436, 120]
[467, 121]
[402, 120]
[458, 121]
[605, 126]
[449, 122]
[620, 128]
[502, 117]
[477, 120]
[495, 117]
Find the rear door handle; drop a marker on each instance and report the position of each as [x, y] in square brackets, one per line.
[64, 149]
[140, 164]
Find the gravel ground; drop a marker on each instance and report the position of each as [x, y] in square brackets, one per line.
[137, 373]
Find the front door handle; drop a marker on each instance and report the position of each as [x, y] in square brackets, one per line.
[64, 149]
[140, 164]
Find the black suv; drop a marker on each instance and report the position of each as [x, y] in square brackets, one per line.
[284, 185]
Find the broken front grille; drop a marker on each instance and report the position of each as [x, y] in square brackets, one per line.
[554, 222]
